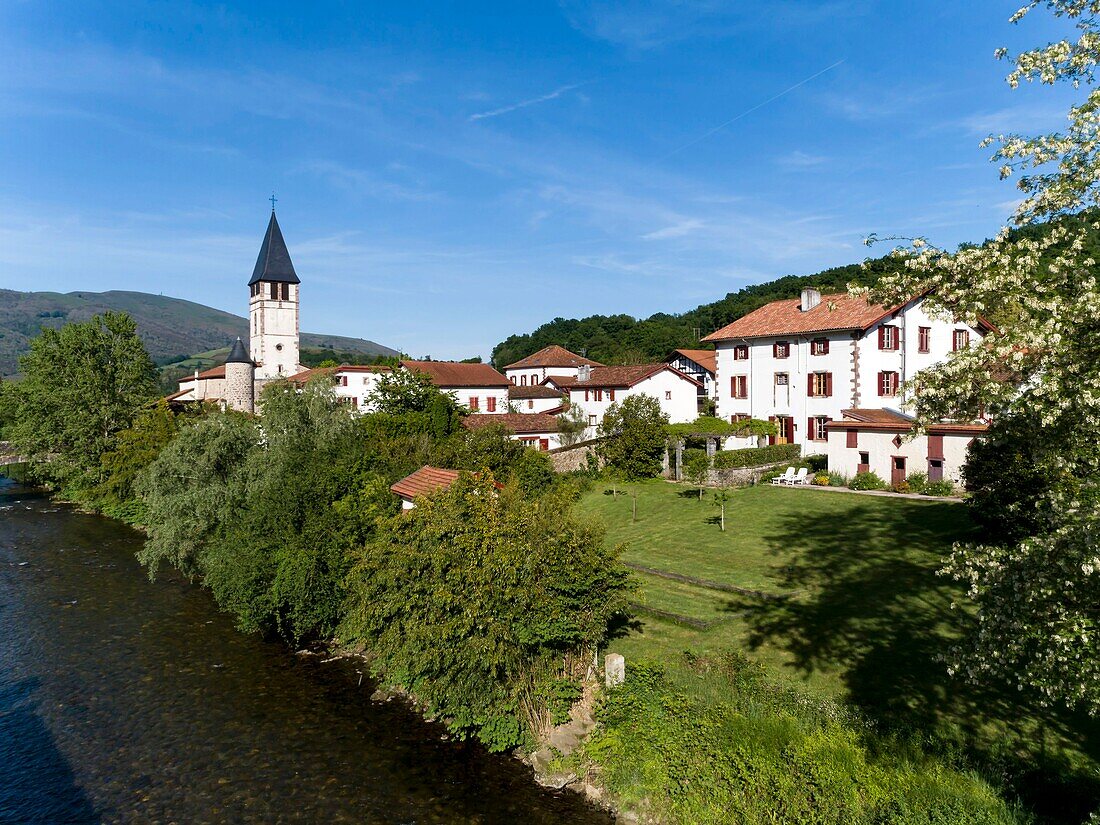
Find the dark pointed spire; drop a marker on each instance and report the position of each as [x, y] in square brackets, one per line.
[274, 262]
[238, 355]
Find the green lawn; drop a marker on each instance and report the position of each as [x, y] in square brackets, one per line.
[865, 617]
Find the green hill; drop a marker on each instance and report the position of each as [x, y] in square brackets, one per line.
[172, 329]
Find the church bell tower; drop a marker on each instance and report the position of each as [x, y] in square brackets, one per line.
[273, 308]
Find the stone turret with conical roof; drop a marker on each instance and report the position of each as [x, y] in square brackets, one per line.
[273, 308]
[240, 379]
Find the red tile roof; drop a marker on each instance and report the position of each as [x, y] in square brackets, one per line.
[213, 372]
[705, 358]
[892, 421]
[615, 376]
[835, 312]
[454, 374]
[518, 423]
[553, 356]
[363, 368]
[877, 416]
[423, 481]
[534, 391]
[306, 375]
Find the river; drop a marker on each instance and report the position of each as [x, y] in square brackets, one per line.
[125, 700]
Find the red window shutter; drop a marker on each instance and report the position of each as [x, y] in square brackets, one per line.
[829, 385]
[810, 384]
[771, 438]
[586, 395]
[882, 383]
[811, 431]
[491, 403]
[733, 385]
[853, 438]
[775, 350]
[611, 395]
[825, 347]
[935, 446]
[882, 338]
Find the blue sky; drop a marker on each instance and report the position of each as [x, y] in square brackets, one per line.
[450, 173]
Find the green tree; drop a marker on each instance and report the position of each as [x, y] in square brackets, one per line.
[633, 437]
[82, 385]
[1036, 597]
[572, 425]
[135, 448]
[471, 601]
[721, 499]
[696, 468]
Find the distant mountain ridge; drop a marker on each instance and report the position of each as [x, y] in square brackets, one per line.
[173, 329]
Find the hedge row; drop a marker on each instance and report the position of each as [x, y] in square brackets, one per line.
[756, 456]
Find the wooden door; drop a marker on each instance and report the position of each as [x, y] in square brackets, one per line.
[897, 469]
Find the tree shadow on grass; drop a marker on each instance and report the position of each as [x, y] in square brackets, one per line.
[873, 605]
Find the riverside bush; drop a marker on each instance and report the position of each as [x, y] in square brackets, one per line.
[714, 741]
[474, 600]
[756, 456]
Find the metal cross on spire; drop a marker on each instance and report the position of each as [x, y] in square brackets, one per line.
[273, 199]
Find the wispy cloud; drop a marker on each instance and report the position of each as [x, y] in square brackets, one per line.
[1022, 118]
[523, 104]
[800, 160]
[366, 182]
[675, 230]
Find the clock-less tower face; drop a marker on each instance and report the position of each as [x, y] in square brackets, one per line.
[273, 308]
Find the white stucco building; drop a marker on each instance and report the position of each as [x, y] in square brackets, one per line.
[880, 441]
[273, 304]
[595, 389]
[537, 430]
[802, 362]
[536, 399]
[700, 365]
[478, 387]
[352, 383]
[548, 361]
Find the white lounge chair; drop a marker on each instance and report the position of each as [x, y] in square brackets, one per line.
[785, 478]
[801, 478]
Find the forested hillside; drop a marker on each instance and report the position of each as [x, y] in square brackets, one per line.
[171, 329]
[623, 339]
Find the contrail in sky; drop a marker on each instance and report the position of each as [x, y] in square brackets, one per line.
[503, 110]
[722, 126]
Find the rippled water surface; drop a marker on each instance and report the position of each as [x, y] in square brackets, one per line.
[123, 700]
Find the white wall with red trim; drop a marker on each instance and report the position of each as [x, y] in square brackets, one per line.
[676, 393]
[882, 447]
[852, 368]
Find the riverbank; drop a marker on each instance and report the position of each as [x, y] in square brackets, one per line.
[126, 700]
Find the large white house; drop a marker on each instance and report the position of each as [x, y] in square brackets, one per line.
[478, 387]
[548, 361]
[802, 362]
[595, 389]
[353, 384]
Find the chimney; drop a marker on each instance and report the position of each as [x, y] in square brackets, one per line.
[810, 298]
[584, 372]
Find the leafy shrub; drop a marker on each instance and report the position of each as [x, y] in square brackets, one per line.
[715, 741]
[901, 487]
[917, 482]
[756, 456]
[867, 481]
[822, 479]
[838, 479]
[817, 463]
[943, 487]
[471, 600]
